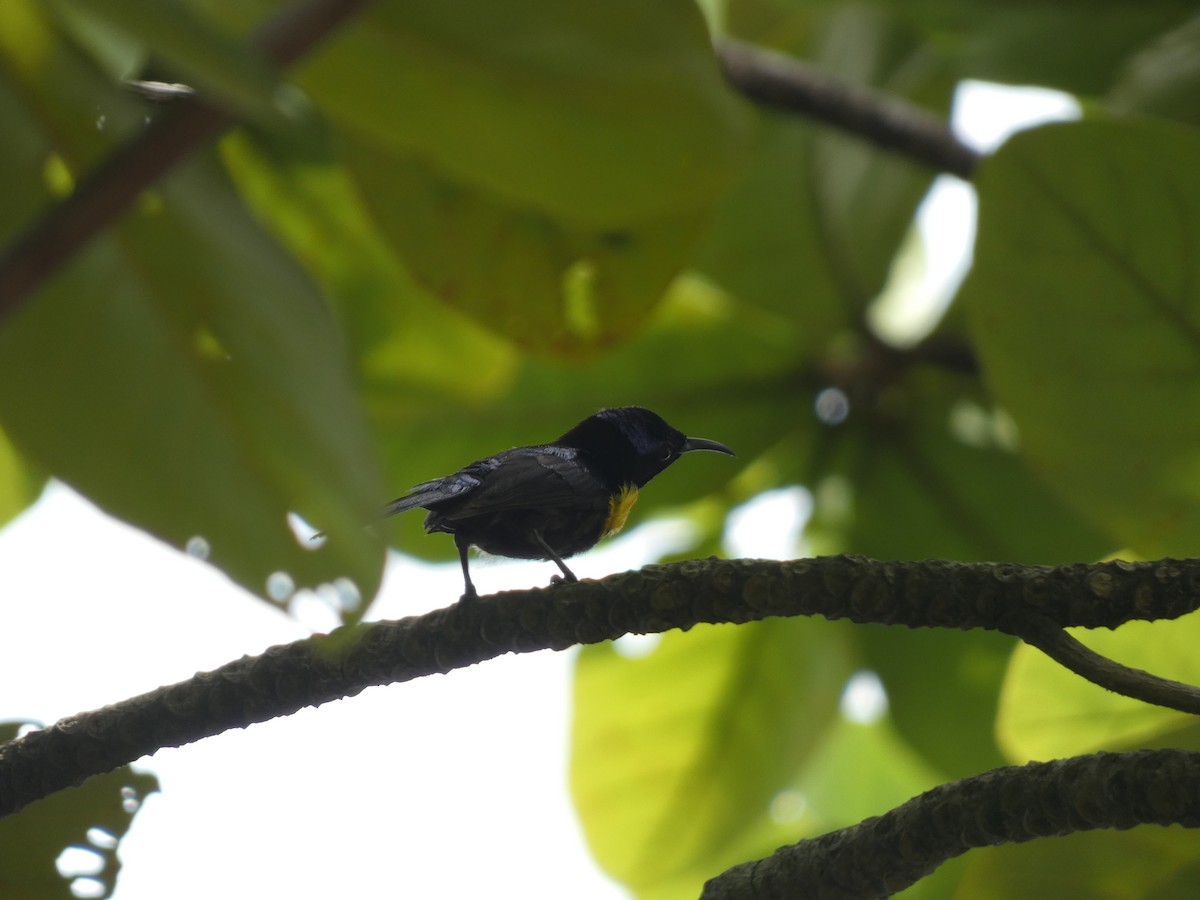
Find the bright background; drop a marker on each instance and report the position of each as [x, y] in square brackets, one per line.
[444, 786]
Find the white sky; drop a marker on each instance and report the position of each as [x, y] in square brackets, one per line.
[445, 786]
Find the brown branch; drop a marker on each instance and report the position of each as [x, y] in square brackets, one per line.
[284, 679]
[1106, 673]
[785, 83]
[112, 188]
[880, 856]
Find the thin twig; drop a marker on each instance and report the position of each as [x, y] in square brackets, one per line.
[1111, 675]
[112, 188]
[785, 83]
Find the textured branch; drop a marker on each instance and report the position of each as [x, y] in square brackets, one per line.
[880, 856]
[112, 188]
[316, 670]
[784, 83]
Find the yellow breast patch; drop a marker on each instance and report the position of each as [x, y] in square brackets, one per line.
[618, 509]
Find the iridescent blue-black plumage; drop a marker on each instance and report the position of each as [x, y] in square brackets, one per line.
[552, 501]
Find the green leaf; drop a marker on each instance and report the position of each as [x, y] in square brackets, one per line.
[940, 680]
[927, 469]
[676, 753]
[93, 816]
[1164, 78]
[596, 115]
[810, 229]
[1047, 711]
[1146, 862]
[20, 485]
[190, 45]
[1022, 43]
[1084, 306]
[992, 40]
[185, 376]
[544, 167]
[544, 284]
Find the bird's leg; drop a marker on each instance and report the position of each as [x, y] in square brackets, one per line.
[463, 546]
[567, 574]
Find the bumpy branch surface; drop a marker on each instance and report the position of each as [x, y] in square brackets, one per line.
[880, 856]
[784, 83]
[316, 670]
[110, 190]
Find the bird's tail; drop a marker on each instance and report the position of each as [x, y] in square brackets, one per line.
[415, 500]
[418, 497]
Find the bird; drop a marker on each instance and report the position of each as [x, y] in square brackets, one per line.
[552, 501]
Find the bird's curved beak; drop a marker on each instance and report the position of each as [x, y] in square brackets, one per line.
[704, 444]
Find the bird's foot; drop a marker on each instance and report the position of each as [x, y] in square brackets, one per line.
[563, 579]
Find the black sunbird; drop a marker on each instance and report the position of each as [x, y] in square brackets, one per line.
[552, 501]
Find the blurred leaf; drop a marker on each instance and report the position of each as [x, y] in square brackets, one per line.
[544, 167]
[184, 375]
[1022, 43]
[1145, 862]
[194, 51]
[542, 283]
[596, 116]
[20, 485]
[810, 229]
[859, 770]
[991, 40]
[938, 681]
[926, 469]
[1164, 78]
[181, 371]
[61, 105]
[676, 752]
[1083, 304]
[1047, 711]
[93, 817]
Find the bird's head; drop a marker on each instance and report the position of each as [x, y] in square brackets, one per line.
[632, 444]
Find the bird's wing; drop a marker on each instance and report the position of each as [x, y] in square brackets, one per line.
[524, 478]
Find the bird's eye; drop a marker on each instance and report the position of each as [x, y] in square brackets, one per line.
[666, 454]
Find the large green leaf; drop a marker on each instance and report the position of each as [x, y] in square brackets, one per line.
[544, 167]
[92, 817]
[546, 284]
[184, 375]
[1148, 862]
[1085, 307]
[182, 372]
[933, 455]
[596, 115]
[676, 753]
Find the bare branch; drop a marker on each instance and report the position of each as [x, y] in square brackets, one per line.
[112, 188]
[284, 679]
[1100, 670]
[880, 856]
[785, 83]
